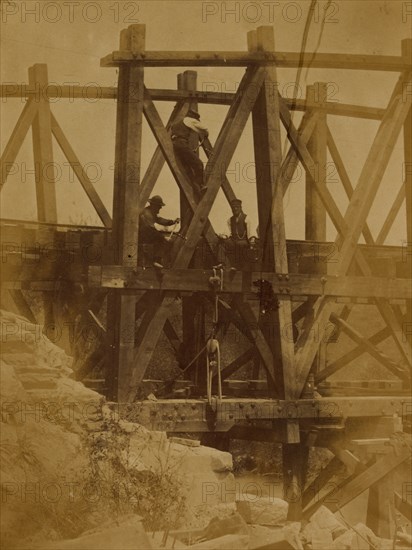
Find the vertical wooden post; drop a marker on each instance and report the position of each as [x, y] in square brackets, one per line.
[268, 155]
[315, 221]
[43, 147]
[315, 218]
[193, 311]
[187, 81]
[380, 515]
[121, 307]
[44, 167]
[407, 139]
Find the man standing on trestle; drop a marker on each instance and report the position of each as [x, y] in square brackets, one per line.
[149, 235]
[182, 136]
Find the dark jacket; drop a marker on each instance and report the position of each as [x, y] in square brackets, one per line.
[147, 229]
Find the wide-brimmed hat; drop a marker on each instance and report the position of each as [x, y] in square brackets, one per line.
[236, 201]
[156, 199]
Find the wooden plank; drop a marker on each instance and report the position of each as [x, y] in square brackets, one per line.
[237, 363]
[120, 337]
[128, 157]
[268, 156]
[338, 364]
[224, 149]
[226, 186]
[407, 146]
[16, 139]
[198, 280]
[157, 161]
[291, 160]
[172, 336]
[43, 149]
[357, 485]
[22, 305]
[344, 177]
[239, 59]
[404, 506]
[315, 212]
[393, 212]
[309, 165]
[206, 97]
[352, 463]
[315, 218]
[129, 120]
[192, 308]
[295, 467]
[350, 228]
[370, 178]
[321, 480]
[121, 307]
[261, 344]
[396, 368]
[80, 173]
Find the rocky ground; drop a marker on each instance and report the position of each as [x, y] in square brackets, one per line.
[75, 476]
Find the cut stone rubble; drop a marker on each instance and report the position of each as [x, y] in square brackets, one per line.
[262, 511]
[46, 417]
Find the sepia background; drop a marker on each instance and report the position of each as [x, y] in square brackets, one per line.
[71, 37]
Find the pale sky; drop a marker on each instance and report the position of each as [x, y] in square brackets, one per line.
[71, 37]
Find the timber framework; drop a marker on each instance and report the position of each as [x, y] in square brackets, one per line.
[287, 301]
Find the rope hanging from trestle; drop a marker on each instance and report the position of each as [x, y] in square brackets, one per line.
[212, 345]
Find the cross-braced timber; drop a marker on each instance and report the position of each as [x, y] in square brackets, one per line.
[314, 285]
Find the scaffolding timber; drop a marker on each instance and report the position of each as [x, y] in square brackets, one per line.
[357, 420]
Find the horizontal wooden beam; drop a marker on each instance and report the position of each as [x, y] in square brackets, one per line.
[181, 415]
[26, 234]
[90, 91]
[241, 59]
[295, 284]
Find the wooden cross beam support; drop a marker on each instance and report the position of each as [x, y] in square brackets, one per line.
[16, 139]
[338, 364]
[356, 485]
[242, 59]
[349, 230]
[80, 173]
[166, 147]
[157, 161]
[182, 96]
[224, 149]
[121, 307]
[43, 149]
[268, 155]
[396, 369]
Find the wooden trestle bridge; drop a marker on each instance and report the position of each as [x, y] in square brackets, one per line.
[98, 267]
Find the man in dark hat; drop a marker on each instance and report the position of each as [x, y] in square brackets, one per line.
[186, 135]
[149, 235]
[240, 232]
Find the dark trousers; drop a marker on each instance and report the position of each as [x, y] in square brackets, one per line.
[191, 162]
[153, 247]
[238, 251]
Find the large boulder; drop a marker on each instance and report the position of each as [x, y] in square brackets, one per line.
[323, 520]
[262, 511]
[124, 534]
